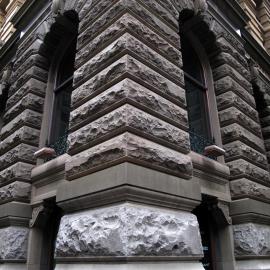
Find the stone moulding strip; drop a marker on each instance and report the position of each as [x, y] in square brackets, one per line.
[101, 259]
[127, 193]
[250, 257]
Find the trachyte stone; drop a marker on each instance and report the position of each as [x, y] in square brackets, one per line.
[128, 230]
[251, 239]
[13, 244]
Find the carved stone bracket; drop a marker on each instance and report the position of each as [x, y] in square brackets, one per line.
[40, 215]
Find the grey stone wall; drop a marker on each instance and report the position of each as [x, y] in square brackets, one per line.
[13, 244]
[128, 230]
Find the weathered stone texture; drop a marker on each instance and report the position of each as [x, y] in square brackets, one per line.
[242, 168]
[22, 152]
[125, 67]
[129, 23]
[33, 85]
[125, 92]
[30, 101]
[13, 244]
[244, 187]
[235, 132]
[128, 147]
[227, 85]
[130, 45]
[230, 99]
[123, 119]
[251, 239]
[18, 171]
[23, 135]
[128, 230]
[233, 115]
[238, 149]
[15, 191]
[26, 118]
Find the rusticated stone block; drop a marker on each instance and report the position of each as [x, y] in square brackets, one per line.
[30, 101]
[128, 147]
[251, 239]
[120, 6]
[246, 188]
[236, 132]
[13, 244]
[237, 149]
[18, 171]
[227, 58]
[242, 168]
[130, 45]
[33, 86]
[227, 84]
[233, 115]
[124, 118]
[122, 67]
[26, 118]
[22, 152]
[15, 191]
[124, 91]
[230, 99]
[226, 70]
[129, 23]
[36, 72]
[128, 230]
[24, 134]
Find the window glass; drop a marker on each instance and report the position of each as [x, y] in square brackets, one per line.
[196, 96]
[62, 101]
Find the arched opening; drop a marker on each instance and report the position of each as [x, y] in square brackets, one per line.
[60, 49]
[197, 98]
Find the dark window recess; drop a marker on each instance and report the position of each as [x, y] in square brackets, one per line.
[208, 235]
[62, 102]
[196, 96]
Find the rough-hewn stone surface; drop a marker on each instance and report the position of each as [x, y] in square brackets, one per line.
[13, 244]
[125, 92]
[128, 230]
[251, 239]
[15, 191]
[133, 148]
[244, 187]
[18, 171]
[241, 168]
[126, 118]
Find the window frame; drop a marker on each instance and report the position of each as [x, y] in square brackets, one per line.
[211, 103]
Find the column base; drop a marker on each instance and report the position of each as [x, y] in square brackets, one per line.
[133, 266]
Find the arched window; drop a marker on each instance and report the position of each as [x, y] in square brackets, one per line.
[197, 98]
[62, 100]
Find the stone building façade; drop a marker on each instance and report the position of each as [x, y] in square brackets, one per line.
[101, 163]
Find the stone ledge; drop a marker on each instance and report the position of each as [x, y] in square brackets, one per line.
[246, 210]
[129, 182]
[133, 266]
[129, 230]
